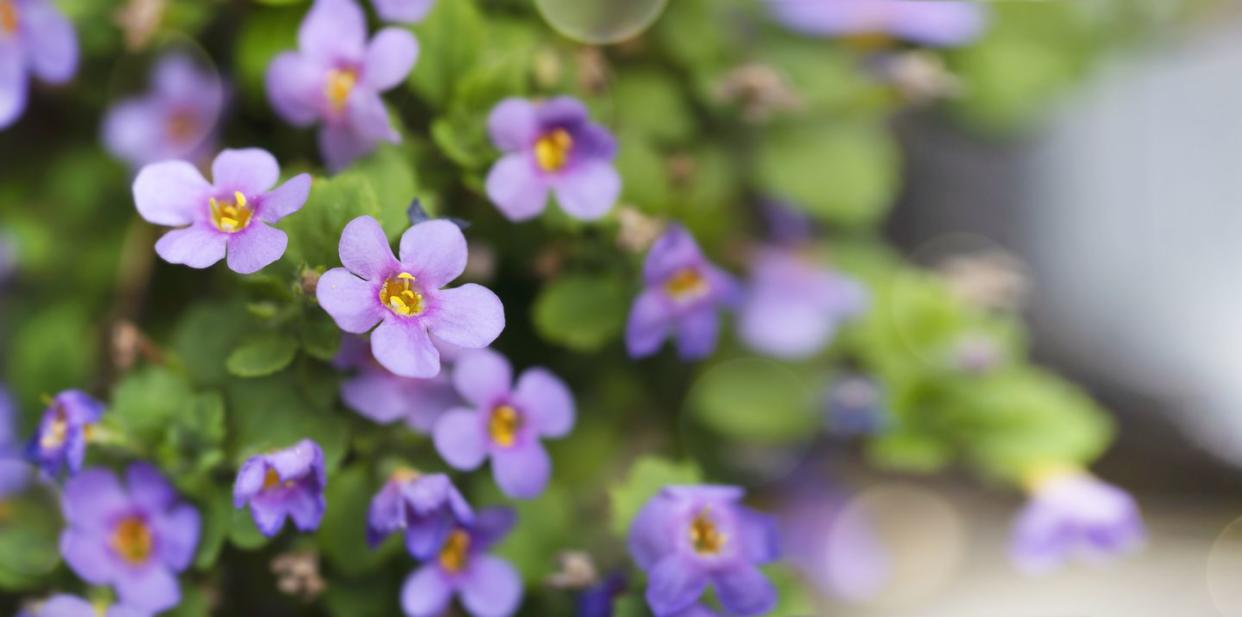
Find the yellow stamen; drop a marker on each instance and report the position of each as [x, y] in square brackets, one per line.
[455, 552]
[340, 84]
[8, 16]
[131, 539]
[503, 425]
[705, 537]
[552, 150]
[57, 434]
[271, 479]
[685, 284]
[400, 296]
[868, 41]
[404, 474]
[231, 216]
[1040, 476]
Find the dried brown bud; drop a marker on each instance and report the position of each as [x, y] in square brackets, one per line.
[760, 90]
[577, 571]
[309, 281]
[297, 574]
[139, 19]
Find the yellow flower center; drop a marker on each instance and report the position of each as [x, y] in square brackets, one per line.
[504, 424]
[705, 537]
[686, 283]
[400, 296]
[57, 433]
[340, 84]
[455, 552]
[404, 474]
[132, 540]
[231, 216]
[868, 41]
[8, 16]
[552, 150]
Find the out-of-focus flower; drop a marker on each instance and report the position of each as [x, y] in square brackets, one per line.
[506, 423]
[14, 472]
[336, 77]
[174, 120]
[855, 405]
[34, 39]
[297, 574]
[60, 441]
[938, 23]
[136, 540]
[385, 397]
[406, 297]
[551, 146]
[64, 605]
[285, 483]
[232, 215]
[689, 537]
[403, 11]
[837, 553]
[488, 586]
[1073, 514]
[598, 600]
[427, 507]
[682, 293]
[792, 307]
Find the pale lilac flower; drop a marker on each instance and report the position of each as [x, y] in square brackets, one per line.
[135, 539]
[64, 605]
[35, 39]
[336, 77]
[833, 547]
[1074, 514]
[682, 294]
[231, 216]
[406, 297]
[551, 147]
[928, 22]
[286, 483]
[427, 508]
[174, 120]
[14, 471]
[380, 395]
[403, 11]
[689, 537]
[487, 586]
[60, 441]
[506, 423]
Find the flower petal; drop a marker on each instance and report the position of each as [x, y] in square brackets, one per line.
[369, 121]
[178, 532]
[512, 124]
[403, 347]
[468, 316]
[365, 250]
[758, 536]
[51, 43]
[522, 471]
[340, 144]
[196, 246]
[518, 191]
[783, 326]
[491, 588]
[434, 251]
[149, 488]
[697, 332]
[170, 193]
[546, 401]
[459, 439]
[333, 30]
[588, 190]
[13, 83]
[674, 250]
[651, 533]
[255, 248]
[153, 588]
[352, 302]
[249, 170]
[648, 324]
[284, 199]
[87, 555]
[744, 590]
[306, 508]
[132, 131]
[483, 377]
[377, 395]
[390, 58]
[403, 11]
[295, 88]
[425, 593]
[63, 605]
[674, 585]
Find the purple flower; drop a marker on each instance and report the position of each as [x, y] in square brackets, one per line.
[172, 121]
[34, 38]
[833, 547]
[60, 440]
[64, 605]
[287, 482]
[336, 78]
[1073, 514]
[233, 215]
[929, 22]
[385, 397]
[14, 471]
[135, 541]
[551, 146]
[506, 423]
[682, 294]
[488, 586]
[405, 296]
[792, 307]
[403, 11]
[689, 537]
[427, 507]
[598, 599]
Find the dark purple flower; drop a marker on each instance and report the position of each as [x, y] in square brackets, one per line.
[403, 11]
[60, 441]
[64, 605]
[336, 77]
[598, 599]
[427, 507]
[551, 146]
[385, 397]
[233, 215]
[792, 306]
[929, 22]
[1073, 514]
[34, 39]
[681, 296]
[174, 120]
[689, 537]
[285, 483]
[506, 423]
[406, 297]
[14, 471]
[487, 586]
[135, 540]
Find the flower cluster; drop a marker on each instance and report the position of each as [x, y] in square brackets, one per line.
[175, 120]
[284, 484]
[60, 442]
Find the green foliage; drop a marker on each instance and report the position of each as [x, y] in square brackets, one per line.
[646, 477]
[583, 312]
[315, 233]
[450, 40]
[55, 349]
[755, 400]
[28, 541]
[262, 356]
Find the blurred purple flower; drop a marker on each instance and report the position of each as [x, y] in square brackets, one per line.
[551, 146]
[833, 548]
[405, 297]
[506, 423]
[336, 77]
[488, 586]
[682, 294]
[385, 397]
[928, 22]
[34, 39]
[403, 11]
[174, 120]
[135, 541]
[598, 600]
[792, 307]
[688, 537]
[285, 483]
[427, 507]
[233, 215]
[14, 471]
[60, 440]
[64, 605]
[1074, 514]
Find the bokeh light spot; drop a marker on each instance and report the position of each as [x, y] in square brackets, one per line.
[600, 21]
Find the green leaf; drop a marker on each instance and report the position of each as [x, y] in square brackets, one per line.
[341, 536]
[647, 477]
[217, 517]
[28, 540]
[242, 531]
[53, 349]
[265, 32]
[272, 413]
[263, 356]
[909, 452]
[582, 312]
[537, 539]
[315, 233]
[451, 39]
[205, 336]
[755, 400]
[145, 403]
[321, 338]
[651, 103]
[391, 173]
[193, 443]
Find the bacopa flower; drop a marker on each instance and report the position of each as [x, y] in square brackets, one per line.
[403, 11]
[406, 297]
[689, 537]
[551, 146]
[792, 307]
[336, 78]
[34, 39]
[506, 423]
[174, 120]
[487, 586]
[426, 507]
[60, 441]
[286, 483]
[833, 547]
[385, 397]
[14, 472]
[136, 540]
[681, 296]
[929, 22]
[1073, 514]
[64, 605]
